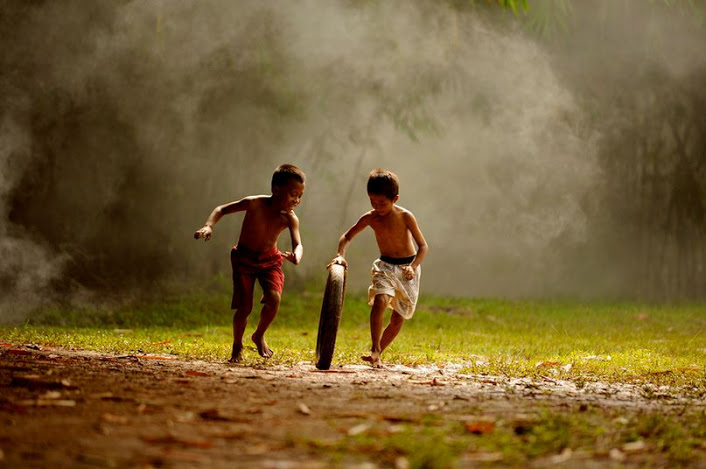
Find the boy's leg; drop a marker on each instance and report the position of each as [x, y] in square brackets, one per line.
[271, 299]
[240, 321]
[241, 304]
[391, 331]
[377, 316]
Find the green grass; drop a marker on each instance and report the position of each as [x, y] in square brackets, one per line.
[646, 345]
[439, 441]
[618, 342]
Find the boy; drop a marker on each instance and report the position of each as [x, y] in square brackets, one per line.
[256, 255]
[395, 282]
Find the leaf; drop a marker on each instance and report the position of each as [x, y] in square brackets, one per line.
[358, 429]
[35, 382]
[48, 402]
[304, 409]
[548, 364]
[217, 415]
[480, 427]
[171, 439]
[112, 418]
[634, 446]
[153, 357]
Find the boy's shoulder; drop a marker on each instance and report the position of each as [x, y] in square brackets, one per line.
[403, 211]
[257, 201]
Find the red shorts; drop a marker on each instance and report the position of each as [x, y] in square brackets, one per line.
[247, 266]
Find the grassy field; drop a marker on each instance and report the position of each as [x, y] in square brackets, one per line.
[659, 344]
[651, 346]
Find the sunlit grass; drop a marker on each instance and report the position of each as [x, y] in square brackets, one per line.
[657, 344]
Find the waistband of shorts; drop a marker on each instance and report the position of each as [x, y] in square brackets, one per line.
[398, 260]
[256, 255]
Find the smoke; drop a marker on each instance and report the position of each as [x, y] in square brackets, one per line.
[125, 123]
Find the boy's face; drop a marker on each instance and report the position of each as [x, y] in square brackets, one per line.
[289, 195]
[382, 204]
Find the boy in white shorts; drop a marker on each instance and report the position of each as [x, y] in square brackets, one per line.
[395, 282]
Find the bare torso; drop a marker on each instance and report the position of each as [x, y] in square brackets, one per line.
[262, 225]
[392, 233]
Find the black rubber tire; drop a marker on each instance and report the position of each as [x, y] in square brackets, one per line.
[331, 311]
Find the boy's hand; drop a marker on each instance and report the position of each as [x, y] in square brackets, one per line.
[290, 256]
[408, 272]
[338, 260]
[204, 233]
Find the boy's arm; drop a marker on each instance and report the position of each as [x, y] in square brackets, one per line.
[217, 214]
[295, 256]
[422, 247]
[345, 240]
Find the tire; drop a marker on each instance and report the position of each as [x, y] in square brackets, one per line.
[331, 310]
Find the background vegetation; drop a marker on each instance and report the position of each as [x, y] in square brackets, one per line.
[560, 144]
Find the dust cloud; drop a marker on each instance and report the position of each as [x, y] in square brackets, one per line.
[124, 123]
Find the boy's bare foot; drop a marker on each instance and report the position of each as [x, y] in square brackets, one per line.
[237, 354]
[261, 345]
[373, 359]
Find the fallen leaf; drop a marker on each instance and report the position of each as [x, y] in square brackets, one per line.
[51, 395]
[217, 415]
[154, 357]
[562, 457]
[304, 409]
[14, 409]
[480, 427]
[112, 418]
[358, 429]
[616, 455]
[433, 382]
[547, 364]
[196, 373]
[14, 351]
[634, 446]
[162, 342]
[397, 419]
[483, 457]
[5, 344]
[36, 381]
[48, 402]
[171, 439]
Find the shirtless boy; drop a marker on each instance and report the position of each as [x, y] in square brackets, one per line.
[256, 255]
[395, 282]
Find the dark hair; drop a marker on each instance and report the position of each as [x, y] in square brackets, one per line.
[285, 173]
[383, 182]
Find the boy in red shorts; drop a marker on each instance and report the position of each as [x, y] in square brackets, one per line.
[256, 255]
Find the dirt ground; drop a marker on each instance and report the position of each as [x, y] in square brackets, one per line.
[73, 408]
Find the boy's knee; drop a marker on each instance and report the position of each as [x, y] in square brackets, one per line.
[382, 300]
[242, 311]
[272, 298]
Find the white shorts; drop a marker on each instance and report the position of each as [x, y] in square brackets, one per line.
[389, 279]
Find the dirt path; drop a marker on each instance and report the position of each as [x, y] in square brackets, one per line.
[69, 408]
